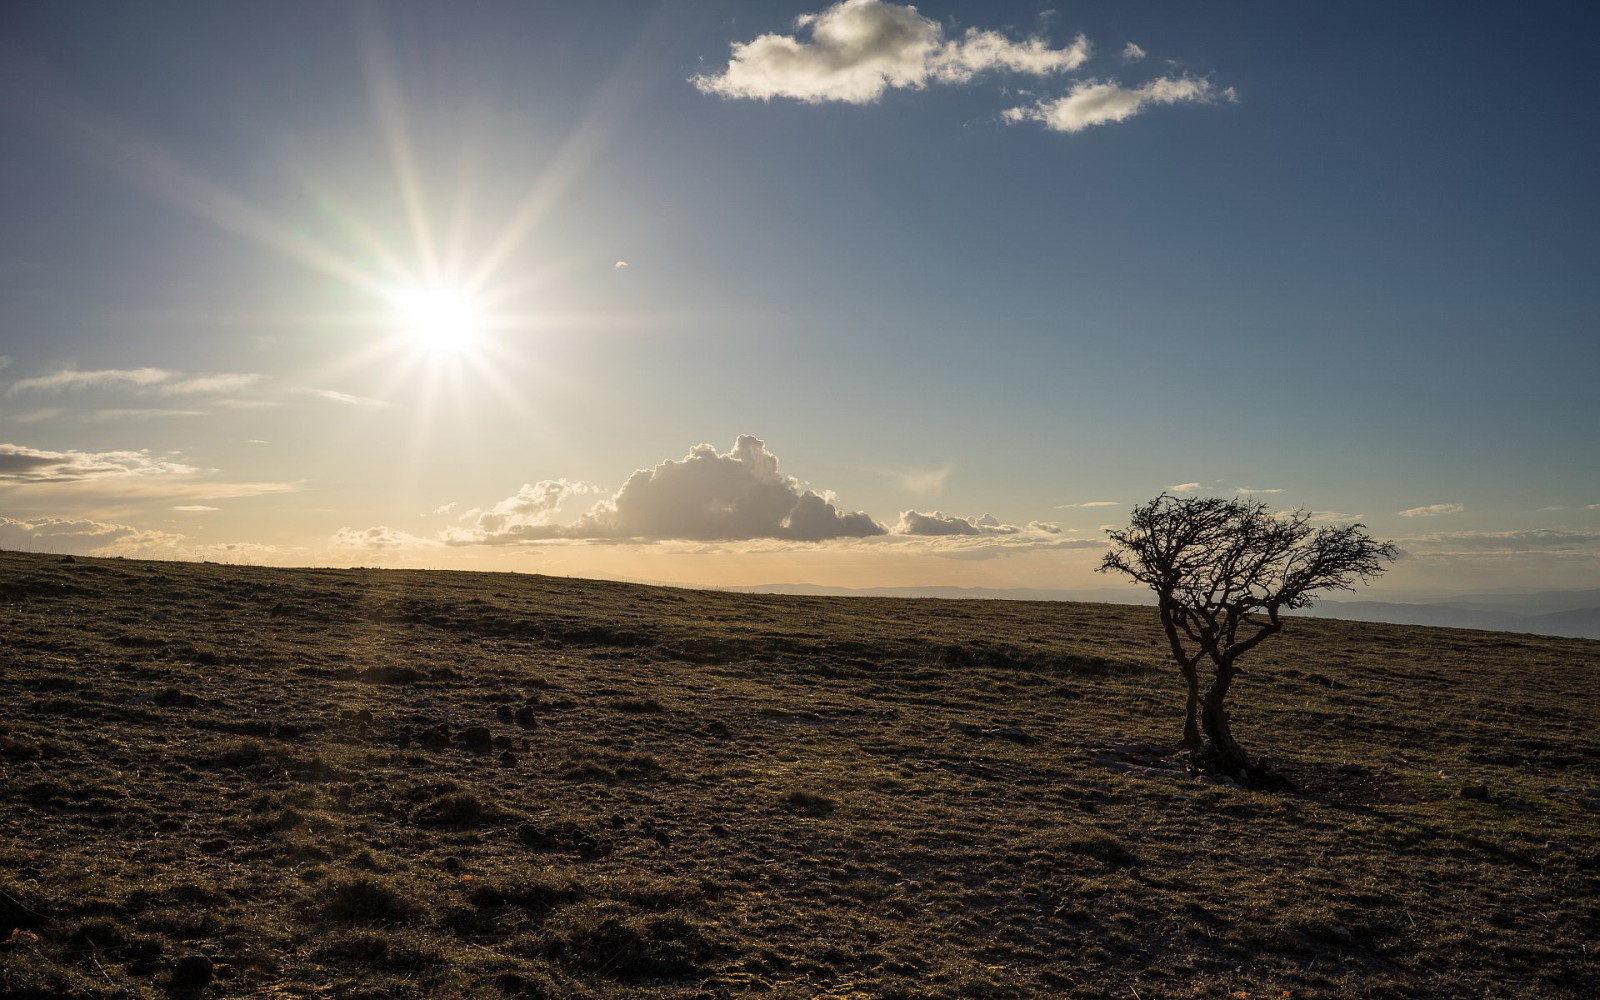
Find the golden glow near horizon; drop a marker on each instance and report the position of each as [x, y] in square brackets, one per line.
[441, 320]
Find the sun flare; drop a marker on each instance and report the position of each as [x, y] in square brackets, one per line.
[439, 319]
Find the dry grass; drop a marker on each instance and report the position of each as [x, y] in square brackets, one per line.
[404, 784]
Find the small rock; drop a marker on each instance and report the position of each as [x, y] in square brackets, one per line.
[508, 759]
[364, 716]
[1558, 847]
[192, 971]
[1480, 792]
[475, 736]
[451, 864]
[525, 716]
[964, 727]
[504, 713]
[66, 559]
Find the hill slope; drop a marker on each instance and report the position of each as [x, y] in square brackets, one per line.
[237, 781]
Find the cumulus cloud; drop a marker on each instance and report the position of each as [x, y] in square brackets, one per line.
[379, 537]
[1132, 52]
[736, 496]
[83, 537]
[1432, 510]
[527, 515]
[860, 48]
[1100, 102]
[21, 465]
[939, 523]
[710, 497]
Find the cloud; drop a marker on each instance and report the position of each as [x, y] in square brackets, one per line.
[72, 378]
[342, 398]
[379, 537]
[925, 482]
[442, 509]
[860, 48]
[705, 497]
[195, 385]
[1507, 542]
[21, 465]
[1591, 506]
[1095, 102]
[1132, 52]
[937, 524]
[527, 515]
[710, 497]
[1091, 503]
[1432, 510]
[6, 360]
[84, 537]
[195, 508]
[1183, 488]
[1250, 491]
[620, 265]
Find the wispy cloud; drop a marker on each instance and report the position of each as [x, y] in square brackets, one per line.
[1132, 52]
[925, 482]
[858, 49]
[194, 508]
[72, 378]
[222, 382]
[1537, 539]
[1183, 488]
[1089, 503]
[1432, 510]
[342, 398]
[1101, 102]
[1250, 491]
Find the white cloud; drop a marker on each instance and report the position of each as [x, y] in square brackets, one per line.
[1250, 491]
[6, 360]
[1505, 542]
[342, 398]
[441, 509]
[195, 508]
[84, 537]
[925, 482]
[1432, 510]
[1094, 102]
[1090, 503]
[119, 415]
[620, 265]
[939, 524]
[705, 496]
[1132, 52]
[527, 515]
[379, 537]
[194, 385]
[72, 378]
[22, 465]
[1183, 488]
[860, 48]
[1591, 506]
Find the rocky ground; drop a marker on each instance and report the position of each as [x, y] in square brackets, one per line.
[222, 781]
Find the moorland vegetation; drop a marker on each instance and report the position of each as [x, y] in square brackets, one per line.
[233, 781]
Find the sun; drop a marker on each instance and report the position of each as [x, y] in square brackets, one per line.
[439, 319]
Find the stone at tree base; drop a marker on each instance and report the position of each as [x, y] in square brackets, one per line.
[1480, 792]
[192, 971]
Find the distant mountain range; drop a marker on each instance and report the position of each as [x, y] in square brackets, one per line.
[1571, 613]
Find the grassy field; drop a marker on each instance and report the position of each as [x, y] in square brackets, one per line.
[227, 781]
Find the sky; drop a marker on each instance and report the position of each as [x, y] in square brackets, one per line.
[735, 293]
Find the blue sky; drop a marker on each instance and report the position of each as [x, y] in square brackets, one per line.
[1345, 254]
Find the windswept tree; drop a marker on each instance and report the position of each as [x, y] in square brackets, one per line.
[1224, 571]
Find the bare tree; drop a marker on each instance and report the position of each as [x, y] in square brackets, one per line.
[1223, 571]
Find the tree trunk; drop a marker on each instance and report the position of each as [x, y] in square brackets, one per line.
[1222, 752]
[1191, 716]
